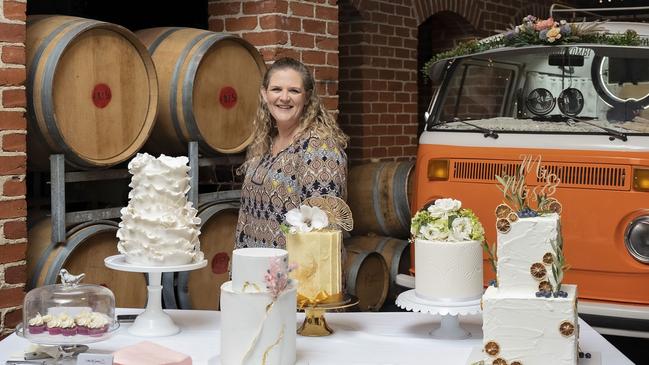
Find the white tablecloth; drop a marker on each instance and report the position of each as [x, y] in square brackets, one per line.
[359, 338]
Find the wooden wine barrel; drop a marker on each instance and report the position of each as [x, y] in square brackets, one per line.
[91, 92]
[201, 289]
[84, 251]
[367, 278]
[379, 196]
[209, 90]
[395, 252]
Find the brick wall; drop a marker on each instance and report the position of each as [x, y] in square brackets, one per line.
[384, 44]
[304, 30]
[13, 209]
[378, 78]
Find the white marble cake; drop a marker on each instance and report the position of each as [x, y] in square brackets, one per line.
[257, 328]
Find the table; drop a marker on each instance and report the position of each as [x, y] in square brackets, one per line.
[359, 339]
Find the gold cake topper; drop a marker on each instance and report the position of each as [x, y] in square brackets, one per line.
[519, 196]
[335, 208]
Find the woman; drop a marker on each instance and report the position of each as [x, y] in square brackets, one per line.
[297, 153]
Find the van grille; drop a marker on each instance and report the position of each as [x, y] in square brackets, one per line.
[606, 177]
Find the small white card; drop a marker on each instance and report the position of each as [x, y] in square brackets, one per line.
[94, 359]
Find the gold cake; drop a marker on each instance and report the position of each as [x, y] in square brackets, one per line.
[317, 255]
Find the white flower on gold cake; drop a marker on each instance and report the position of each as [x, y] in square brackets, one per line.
[306, 219]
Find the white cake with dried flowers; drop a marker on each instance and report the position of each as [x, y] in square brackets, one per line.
[258, 322]
[529, 316]
[448, 252]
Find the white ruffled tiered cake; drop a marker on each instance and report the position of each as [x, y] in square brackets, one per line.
[525, 319]
[258, 321]
[159, 226]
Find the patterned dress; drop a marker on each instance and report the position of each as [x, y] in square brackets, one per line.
[273, 185]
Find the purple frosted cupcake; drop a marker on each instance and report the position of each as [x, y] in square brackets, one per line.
[37, 325]
[82, 320]
[69, 331]
[98, 325]
[54, 327]
[68, 327]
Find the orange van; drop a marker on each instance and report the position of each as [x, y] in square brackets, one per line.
[583, 109]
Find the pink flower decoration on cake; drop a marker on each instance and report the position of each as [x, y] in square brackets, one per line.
[276, 276]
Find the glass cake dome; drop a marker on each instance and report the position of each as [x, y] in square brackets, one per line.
[68, 313]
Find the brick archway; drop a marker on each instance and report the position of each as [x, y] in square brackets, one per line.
[467, 9]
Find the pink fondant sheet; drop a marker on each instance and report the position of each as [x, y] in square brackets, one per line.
[149, 353]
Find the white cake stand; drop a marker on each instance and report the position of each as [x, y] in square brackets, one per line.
[449, 328]
[153, 322]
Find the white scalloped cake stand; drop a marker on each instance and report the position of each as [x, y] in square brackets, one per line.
[153, 322]
[449, 328]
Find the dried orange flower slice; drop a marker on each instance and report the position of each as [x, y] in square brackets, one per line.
[503, 225]
[516, 363]
[492, 348]
[548, 258]
[538, 270]
[566, 328]
[499, 361]
[503, 211]
[555, 207]
[545, 286]
[512, 217]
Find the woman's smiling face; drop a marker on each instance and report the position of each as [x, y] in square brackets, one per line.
[285, 97]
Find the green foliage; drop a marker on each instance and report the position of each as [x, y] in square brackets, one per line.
[526, 35]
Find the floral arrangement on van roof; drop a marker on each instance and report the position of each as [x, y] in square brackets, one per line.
[536, 31]
[446, 220]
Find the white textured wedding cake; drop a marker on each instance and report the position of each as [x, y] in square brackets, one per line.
[258, 309]
[530, 318]
[159, 226]
[448, 253]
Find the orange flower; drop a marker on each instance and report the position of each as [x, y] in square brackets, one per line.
[554, 34]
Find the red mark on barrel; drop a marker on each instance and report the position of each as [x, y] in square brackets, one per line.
[101, 95]
[228, 97]
[220, 263]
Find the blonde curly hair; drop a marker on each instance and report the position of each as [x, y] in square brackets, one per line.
[315, 117]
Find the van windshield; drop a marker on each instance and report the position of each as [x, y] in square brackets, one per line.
[565, 90]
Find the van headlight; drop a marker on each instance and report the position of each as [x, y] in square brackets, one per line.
[636, 239]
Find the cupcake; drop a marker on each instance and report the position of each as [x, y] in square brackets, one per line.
[37, 325]
[98, 324]
[54, 326]
[82, 320]
[68, 327]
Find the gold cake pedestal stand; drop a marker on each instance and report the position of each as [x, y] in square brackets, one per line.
[315, 324]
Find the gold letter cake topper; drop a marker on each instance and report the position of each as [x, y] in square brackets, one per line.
[522, 200]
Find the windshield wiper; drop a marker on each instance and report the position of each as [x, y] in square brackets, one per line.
[485, 132]
[612, 133]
